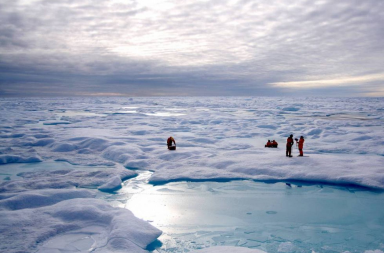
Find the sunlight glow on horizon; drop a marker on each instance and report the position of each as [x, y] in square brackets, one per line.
[345, 81]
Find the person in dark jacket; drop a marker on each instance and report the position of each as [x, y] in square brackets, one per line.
[289, 146]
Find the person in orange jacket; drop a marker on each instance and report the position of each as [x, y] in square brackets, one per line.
[274, 144]
[290, 142]
[269, 144]
[301, 145]
[169, 142]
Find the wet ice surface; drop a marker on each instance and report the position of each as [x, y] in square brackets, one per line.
[108, 140]
[276, 217]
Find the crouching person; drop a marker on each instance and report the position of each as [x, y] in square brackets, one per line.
[269, 144]
[169, 143]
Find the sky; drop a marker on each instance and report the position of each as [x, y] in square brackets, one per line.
[192, 48]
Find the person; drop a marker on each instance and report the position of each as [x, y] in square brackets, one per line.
[269, 144]
[169, 142]
[301, 145]
[274, 144]
[289, 146]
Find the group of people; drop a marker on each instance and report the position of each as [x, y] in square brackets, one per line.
[290, 142]
[270, 144]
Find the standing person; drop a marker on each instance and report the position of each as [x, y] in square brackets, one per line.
[289, 146]
[301, 145]
[169, 142]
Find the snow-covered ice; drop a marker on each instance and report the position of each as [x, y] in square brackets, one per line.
[24, 229]
[41, 204]
[217, 139]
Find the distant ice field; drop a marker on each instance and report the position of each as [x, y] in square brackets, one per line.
[111, 140]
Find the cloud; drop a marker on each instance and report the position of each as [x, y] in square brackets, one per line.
[146, 47]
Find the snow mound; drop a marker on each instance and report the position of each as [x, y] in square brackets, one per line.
[63, 147]
[97, 144]
[120, 153]
[42, 142]
[137, 164]
[117, 229]
[65, 178]
[39, 198]
[112, 185]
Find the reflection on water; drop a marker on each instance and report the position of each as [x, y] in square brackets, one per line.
[251, 214]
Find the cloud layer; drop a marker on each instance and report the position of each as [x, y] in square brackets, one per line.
[169, 47]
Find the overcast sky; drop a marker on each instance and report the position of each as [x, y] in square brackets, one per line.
[192, 47]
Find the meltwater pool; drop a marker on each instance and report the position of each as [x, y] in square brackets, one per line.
[278, 217]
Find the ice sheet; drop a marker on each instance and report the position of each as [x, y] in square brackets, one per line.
[218, 139]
